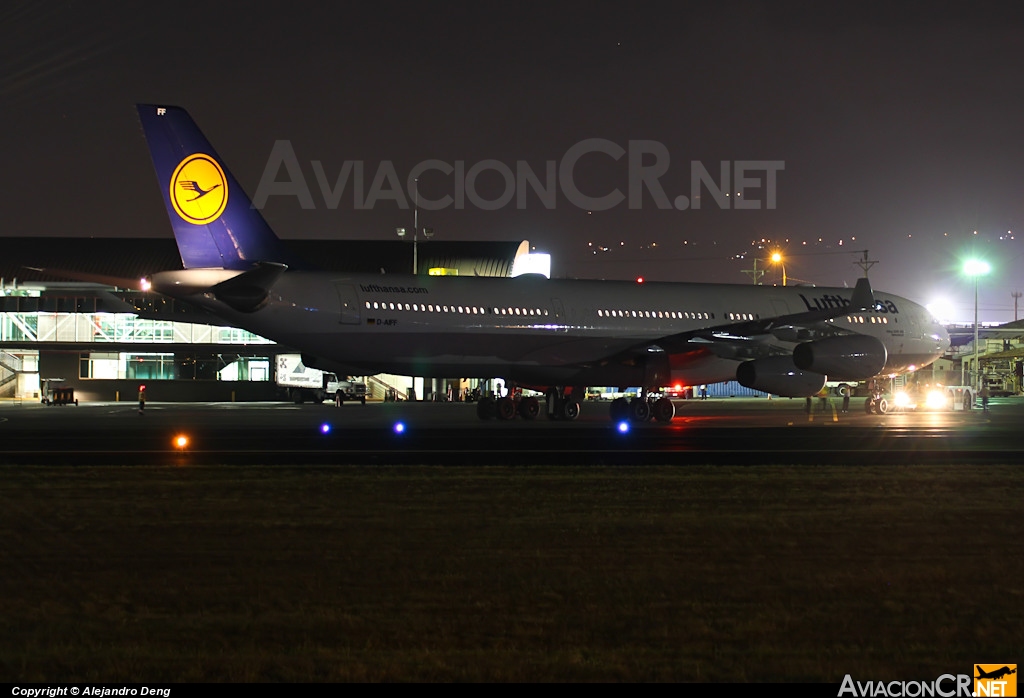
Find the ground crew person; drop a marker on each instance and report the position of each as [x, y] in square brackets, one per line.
[142, 399]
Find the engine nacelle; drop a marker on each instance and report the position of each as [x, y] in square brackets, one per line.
[854, 357]
[780, 376]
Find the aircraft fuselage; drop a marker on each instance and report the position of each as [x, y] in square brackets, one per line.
[536, 330]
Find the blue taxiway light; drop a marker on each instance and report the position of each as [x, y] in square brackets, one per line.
[622, 427]
[399, 428]
[325, 428]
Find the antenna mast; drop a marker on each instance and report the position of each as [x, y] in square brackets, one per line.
[754, 273]
[865, 263]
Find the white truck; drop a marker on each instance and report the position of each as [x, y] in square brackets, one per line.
[302, 383]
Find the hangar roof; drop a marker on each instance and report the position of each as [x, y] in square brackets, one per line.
[138, 257]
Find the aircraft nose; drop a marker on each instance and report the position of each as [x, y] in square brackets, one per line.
[942, 337]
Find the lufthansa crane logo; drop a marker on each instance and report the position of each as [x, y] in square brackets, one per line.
[199, 189]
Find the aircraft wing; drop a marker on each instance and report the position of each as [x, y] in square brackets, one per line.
[735, 334]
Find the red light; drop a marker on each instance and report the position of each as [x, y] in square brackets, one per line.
[639, 279]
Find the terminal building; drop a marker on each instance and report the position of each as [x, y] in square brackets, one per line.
[99, 339]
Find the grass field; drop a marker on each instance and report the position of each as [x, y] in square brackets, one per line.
[508, 574]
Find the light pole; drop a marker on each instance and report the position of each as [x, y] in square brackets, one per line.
[427, 232]
[976, 268]
[777, 259]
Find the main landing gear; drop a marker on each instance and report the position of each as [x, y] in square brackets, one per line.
[640, 409]
[557, 405]
[561, 403]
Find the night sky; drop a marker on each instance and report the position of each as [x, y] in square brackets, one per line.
[899, 127]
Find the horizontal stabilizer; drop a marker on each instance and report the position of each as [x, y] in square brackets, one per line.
[248, 291]
[104, 279]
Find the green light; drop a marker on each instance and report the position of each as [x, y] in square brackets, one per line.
[976, 267]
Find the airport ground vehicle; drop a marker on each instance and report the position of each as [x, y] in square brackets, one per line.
[303, 383]
[842, 388]
[935, 398]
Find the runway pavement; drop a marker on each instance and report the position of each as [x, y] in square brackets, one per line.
[722, 431]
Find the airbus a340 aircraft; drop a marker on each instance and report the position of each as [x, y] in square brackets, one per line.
[553, 335]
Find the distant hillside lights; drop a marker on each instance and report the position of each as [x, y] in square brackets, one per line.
[740, 184]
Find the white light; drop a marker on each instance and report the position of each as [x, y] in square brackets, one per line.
[941, 309]
[936, 400]
[532, 263]
[976, 267]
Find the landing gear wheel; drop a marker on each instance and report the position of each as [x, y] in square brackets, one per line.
[486, 409]
[639, 409]
[869, 406]
[664, 410]
[570, 410]
[529, 408]
[619, 409]
[883, 406]
[506, 409]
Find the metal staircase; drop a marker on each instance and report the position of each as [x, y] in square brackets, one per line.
[378, 386]
[10, 367]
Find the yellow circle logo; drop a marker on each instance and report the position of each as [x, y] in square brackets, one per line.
[199, 189]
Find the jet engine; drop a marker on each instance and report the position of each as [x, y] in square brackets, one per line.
[779, 376]
[847, 358]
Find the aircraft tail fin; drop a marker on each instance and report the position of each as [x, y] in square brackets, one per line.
[213, 220]
[863, 298]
